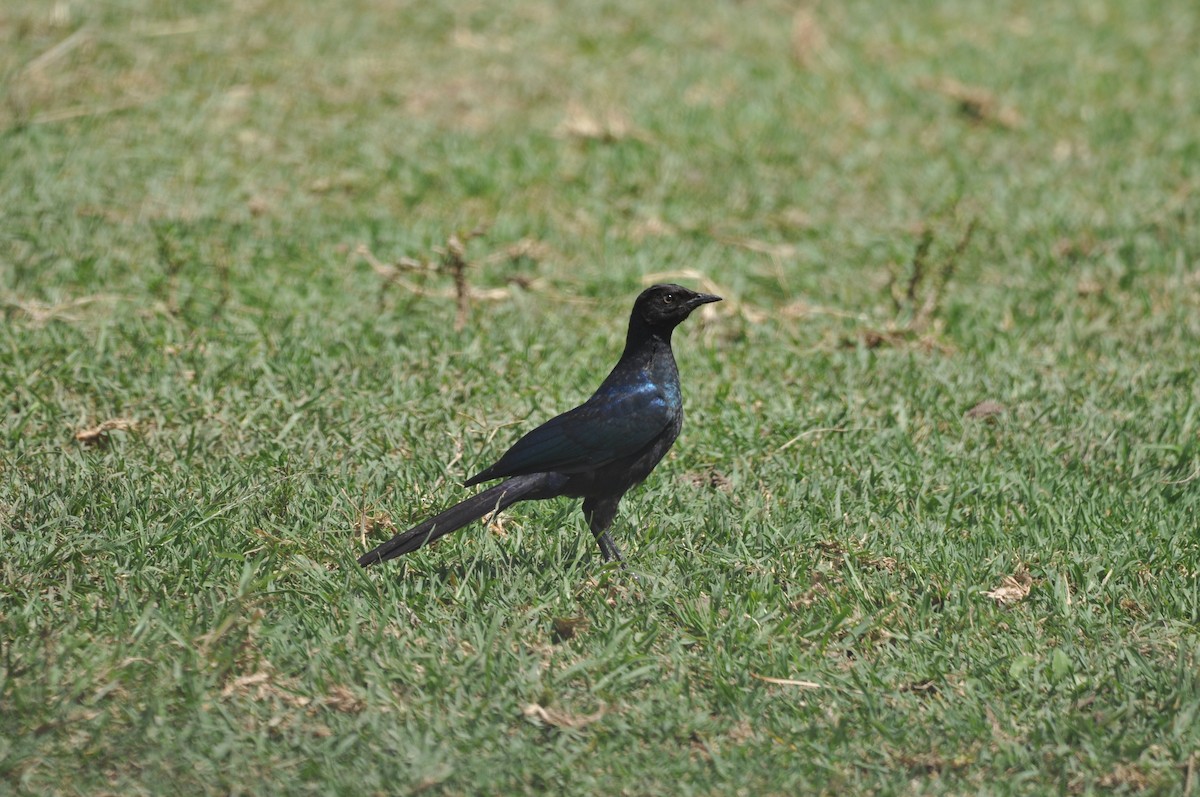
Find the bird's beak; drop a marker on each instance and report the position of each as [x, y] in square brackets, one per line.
[702, 298]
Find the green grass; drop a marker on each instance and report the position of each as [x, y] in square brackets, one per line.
[185, 189]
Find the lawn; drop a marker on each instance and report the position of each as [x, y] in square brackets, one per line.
[276, 277]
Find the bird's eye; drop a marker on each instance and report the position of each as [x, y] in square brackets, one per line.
[668, 298]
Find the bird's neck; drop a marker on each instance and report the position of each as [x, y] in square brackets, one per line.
[642, 336]
[646, 347]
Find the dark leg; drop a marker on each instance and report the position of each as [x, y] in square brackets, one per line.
[600, 513]
[608, 548]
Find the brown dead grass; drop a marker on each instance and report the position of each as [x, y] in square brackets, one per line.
[98, 435]
[975, 103]
[711, 479]
[606, 126]
[808, 37]
[986, 410]
[557, 718]
[1012, 589]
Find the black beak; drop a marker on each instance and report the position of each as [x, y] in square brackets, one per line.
[702, 298]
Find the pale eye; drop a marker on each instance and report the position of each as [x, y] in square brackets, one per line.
[669, 298]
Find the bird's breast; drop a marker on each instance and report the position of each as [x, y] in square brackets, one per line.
[670, 394]
[661, 393]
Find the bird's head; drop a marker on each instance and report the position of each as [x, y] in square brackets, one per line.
[663, 307]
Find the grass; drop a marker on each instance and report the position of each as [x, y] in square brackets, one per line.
[911, 210]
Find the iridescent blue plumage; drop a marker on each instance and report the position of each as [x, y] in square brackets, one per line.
[614, 423]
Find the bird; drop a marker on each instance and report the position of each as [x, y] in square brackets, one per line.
[597, 451]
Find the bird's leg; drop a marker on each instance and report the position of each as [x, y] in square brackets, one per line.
[600, 513]
[600, 516]
[608, 548]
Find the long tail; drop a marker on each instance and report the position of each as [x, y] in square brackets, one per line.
[505, 494]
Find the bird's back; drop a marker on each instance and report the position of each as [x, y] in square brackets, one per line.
[637, 407]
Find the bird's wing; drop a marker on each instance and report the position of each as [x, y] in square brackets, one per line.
[609, 426]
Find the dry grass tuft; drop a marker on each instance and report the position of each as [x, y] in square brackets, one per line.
[98, 435]
[555, 718]
[977, 104]
[986, 410]
[608, 126]
[1012, 589]
[808, 37]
